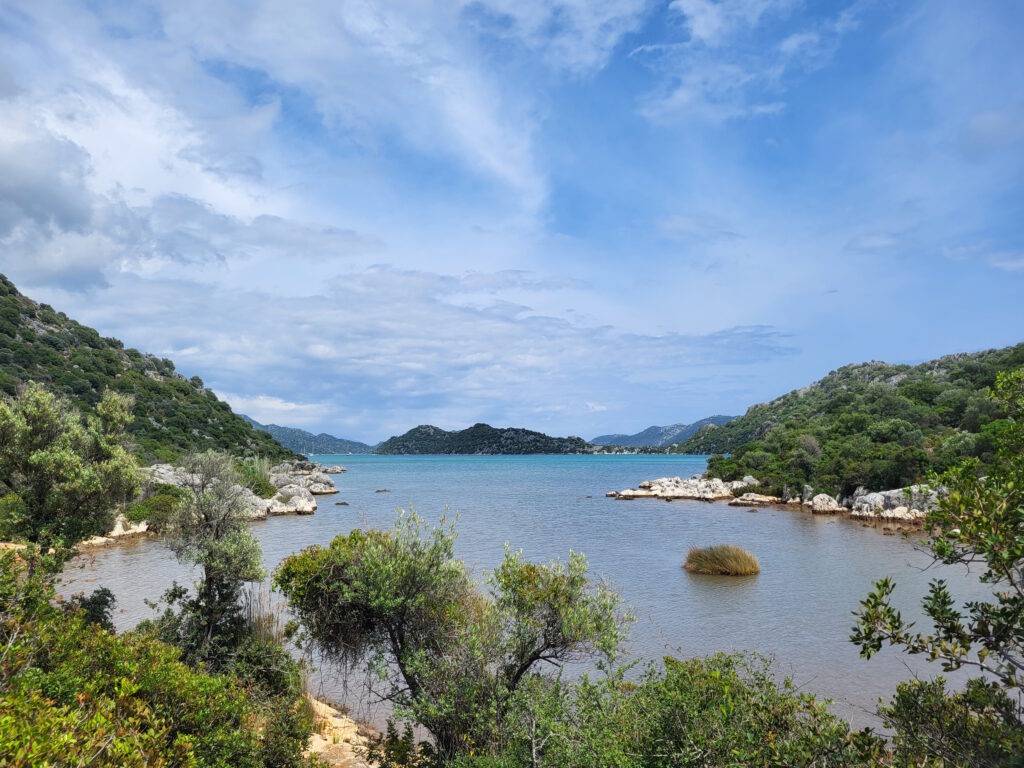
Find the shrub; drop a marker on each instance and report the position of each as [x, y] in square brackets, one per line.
[722, 560]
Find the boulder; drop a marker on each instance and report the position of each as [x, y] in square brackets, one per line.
[750, 480]
[823, 504]
[754, 499]
[910, 504]
[334, 469]
[321, 489]
[292, 500]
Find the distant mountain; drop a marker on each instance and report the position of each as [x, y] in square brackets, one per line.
[479, 439]
[661, 437]
[301, 441]
[173, 414]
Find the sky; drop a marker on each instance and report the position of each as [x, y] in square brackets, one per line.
[579, 217]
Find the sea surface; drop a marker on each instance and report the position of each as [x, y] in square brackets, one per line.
[798, 610]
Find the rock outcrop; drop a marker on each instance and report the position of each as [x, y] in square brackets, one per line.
[823, 504]
[904, 504]
[292, 500]
[337, 740]
[698, 488]
[122, 530]
[754, 500]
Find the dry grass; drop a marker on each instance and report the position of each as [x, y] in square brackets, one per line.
[722, 560]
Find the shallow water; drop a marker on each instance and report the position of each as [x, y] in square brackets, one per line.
[814, 569]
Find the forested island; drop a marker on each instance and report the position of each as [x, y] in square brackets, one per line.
[479, 439]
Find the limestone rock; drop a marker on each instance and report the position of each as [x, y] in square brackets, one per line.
[754, 499]
[292, 500]
[823, 504]
[699, 488]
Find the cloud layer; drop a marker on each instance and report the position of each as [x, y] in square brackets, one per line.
[576, 216]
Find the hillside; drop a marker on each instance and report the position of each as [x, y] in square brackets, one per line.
[306, 443]
[661, 437]
[172, 414]
[874, 425]
[479, 439]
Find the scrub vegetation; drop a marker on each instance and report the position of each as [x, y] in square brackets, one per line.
[872, 425]
[722, 560]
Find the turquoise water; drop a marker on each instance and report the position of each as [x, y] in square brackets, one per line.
[814, 569]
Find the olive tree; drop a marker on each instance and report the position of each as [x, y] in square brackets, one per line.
[978, 521]
[208, 529]
[61, 473]
[448, 655]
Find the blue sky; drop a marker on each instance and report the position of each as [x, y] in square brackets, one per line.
[579, 217]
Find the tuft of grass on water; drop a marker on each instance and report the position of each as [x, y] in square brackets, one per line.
[721, 560]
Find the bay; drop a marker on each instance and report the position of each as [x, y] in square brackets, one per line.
[798, 610]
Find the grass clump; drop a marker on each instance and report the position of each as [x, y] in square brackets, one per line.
[722, 560]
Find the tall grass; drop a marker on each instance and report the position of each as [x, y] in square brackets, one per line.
[255, 472]
[722, 560]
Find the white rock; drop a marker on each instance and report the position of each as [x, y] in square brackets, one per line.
[823, 504]
[292, 500]
[754, 500]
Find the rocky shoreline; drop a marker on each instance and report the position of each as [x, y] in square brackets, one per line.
[298, 483]
[907, 506]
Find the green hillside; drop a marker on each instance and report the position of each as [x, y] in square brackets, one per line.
[875, 425]
[479, 439]
[172, 414]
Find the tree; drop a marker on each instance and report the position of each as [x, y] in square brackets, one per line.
[62, 474]
[449, 656]
[979, 520]
[209, 530]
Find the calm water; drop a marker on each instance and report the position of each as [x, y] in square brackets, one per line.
[814, 570]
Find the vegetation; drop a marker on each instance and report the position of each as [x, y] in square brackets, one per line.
[720, 711]
[306, 443]
[479, 439]
[661, 437]
[447, 656]
[722, 560]
[173, 415]
[872, 425]
[209, 531]
[979, 521]
[74, 693]
[61, 475]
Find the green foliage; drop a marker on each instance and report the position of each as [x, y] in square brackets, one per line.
[61, 475]
[725, 710]
[479, 439]
[722, 560]
[978, 521]
[448, 657]
[73, 693]
[254, 473]
[873, 425]
[160, 508]
[172, 415]
[209, 531]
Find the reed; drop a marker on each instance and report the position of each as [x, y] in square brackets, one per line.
[722, 560]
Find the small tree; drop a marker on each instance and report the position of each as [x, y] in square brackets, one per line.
[62, 474]
[980, 520]
[450, 657]
[209, 531]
